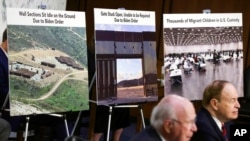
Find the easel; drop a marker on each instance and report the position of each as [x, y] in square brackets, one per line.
[56, 115]
[123, 106]
[28, 118]
[5, 102]
[79, 115]
[110, 111]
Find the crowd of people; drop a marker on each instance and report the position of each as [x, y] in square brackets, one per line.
[191, 61]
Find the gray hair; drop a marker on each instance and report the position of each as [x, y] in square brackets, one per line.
[162, 112]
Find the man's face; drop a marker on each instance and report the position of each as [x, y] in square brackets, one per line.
[5, 45]
[184, 128]
[228, 105]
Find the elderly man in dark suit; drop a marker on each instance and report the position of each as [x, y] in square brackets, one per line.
[220, 105]
[172, 119]
[5, 127]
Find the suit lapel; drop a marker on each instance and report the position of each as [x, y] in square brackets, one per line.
[213, 124]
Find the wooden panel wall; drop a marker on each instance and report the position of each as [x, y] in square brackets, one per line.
[160, 7]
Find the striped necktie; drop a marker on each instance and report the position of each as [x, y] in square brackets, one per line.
[224, 132]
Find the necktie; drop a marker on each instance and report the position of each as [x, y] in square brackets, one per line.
[224, 132]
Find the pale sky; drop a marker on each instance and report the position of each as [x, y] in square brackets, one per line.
[128, 69]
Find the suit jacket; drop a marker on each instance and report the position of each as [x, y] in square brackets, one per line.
[208, 130]
[4, 77]
[4, 89]
[148, 134]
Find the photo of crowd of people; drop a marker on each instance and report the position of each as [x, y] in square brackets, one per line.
[193, 57]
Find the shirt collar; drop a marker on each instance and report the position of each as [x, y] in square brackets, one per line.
[162, 138]
[218, 123]
[4, 52]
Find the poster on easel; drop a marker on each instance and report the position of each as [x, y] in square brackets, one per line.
[201, 48]
[28, 4]
[125, 49]
[47, 61]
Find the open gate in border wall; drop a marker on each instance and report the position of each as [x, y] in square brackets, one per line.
[114, 45]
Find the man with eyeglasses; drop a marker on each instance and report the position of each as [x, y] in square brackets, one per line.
[172, 119]
[219, 106]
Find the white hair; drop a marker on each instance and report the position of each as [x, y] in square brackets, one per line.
[162, 112]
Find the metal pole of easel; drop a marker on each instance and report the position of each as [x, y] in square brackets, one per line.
[66, 125]
[134, 106]
[26, 128]
[109, 122]
[142, 117]
[5, 102]
[76, 123]
[80, 113]
[123, 106]
[56, 115]
[27, 118]
[65, 122]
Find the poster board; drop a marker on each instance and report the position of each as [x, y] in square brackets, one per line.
[30, 4]
[47, 61]
[125, 48]
[201, 48]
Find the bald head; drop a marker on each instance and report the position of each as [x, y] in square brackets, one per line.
[170, 107]
[173, 117]
[175, 101]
